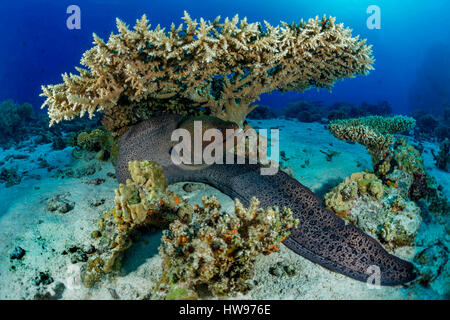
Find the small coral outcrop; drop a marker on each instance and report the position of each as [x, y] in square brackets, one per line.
[100, 141]
[373, 132]
[217, 250]
[442, 159]
[146, 200]
[384, 212]
[202, 246]
[221, 66]
[358, 184]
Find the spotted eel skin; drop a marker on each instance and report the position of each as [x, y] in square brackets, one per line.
[321, 236]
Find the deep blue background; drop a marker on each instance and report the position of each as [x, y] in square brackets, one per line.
[411, 49]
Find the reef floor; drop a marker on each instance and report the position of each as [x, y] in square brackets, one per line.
[47, 220]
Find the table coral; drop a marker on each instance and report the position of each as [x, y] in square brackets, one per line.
[373, 132]
[217, 250]
[221, 66]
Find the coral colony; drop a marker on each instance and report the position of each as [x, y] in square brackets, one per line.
[222, 67]
[207, 76]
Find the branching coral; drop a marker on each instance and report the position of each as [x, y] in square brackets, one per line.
[222, 66]
[217, 250]
[202, 245]
[373, 132]
[143, 201]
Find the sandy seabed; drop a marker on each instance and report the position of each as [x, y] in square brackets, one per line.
[25, 221]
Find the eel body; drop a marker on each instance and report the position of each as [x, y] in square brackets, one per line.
[321, 236]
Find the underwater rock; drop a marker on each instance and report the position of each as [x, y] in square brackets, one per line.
[60, 203]
[191, 187]
[442, 159]
[330, 154]
[17, 253]
[430, 262]
[81, 168]
[54, 291]
[281, 269]
[113, 294]
[43, 278]
[303, 111]
[262, 113]
[425, 122]
[96, 202]
[78, 256]
[381, 211]
[10, 176]
[95, 182]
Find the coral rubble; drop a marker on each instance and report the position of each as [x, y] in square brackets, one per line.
[220, 66]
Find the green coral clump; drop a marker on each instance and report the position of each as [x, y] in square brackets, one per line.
[384, 212]
[217, 250]
[146, 199]
[97, 140]
[408, 157]
[373, 132]
[358, 184]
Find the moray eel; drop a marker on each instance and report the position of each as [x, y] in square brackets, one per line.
[321, 236]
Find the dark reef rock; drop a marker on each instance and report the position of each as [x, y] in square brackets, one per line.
[20, 122]
[10, 177]
[17, 253]
[60, 203]
[442, 159]
[262, 113]
[306, 111]
[44, 278]
[431, 262]
[281, 269]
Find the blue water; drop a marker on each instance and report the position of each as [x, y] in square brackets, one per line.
[411, 48]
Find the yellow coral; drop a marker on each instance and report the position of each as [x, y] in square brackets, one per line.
[223, 66]
[340, 199]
